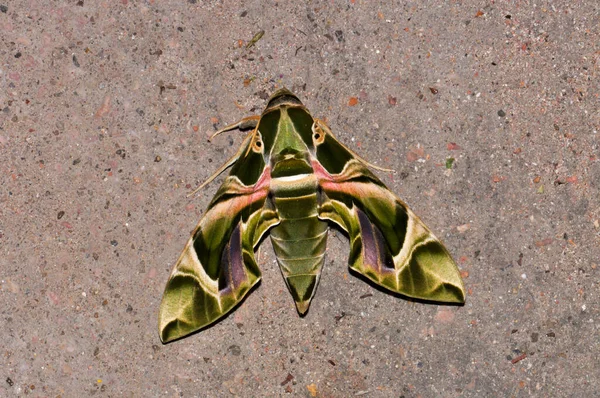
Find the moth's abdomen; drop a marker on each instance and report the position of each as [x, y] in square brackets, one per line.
[300, 239]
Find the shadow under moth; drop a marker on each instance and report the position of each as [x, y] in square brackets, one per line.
[291, 178]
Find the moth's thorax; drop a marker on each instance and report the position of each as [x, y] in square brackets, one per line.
[289, 136]
[289, 163]
[285, 129]
[292, 173]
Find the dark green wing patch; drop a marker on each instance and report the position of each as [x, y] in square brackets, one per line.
[332, 155]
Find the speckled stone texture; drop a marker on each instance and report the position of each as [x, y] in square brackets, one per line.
[488, 112]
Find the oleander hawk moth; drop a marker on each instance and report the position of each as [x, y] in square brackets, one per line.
[292, 178]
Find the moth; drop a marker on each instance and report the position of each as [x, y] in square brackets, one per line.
[292, 179]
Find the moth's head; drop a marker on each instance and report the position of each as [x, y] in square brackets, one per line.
[284, 136]
[281, 97]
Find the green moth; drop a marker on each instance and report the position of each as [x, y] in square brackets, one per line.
[292, 178]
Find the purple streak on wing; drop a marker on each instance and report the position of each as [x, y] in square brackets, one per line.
[232, 265]
[376, 254]
[386, 261]
[370, 251]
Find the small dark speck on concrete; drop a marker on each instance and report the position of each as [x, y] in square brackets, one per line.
[535, 337]
[339, 35]
[4, 9]
[18, 55]
[180, 29]
[76, 162]
[80, 3]
[287, 379]
[129, 308]
[10, 382]
[60, 214]
[263, 95]
[75, 62]
[243, 14]
[114, 242]
[501, 113]
[192, 1]
[235, 350]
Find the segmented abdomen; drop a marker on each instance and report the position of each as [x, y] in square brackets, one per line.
[300, 239]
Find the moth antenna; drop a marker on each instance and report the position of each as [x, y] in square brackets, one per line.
[328, 131]
[246, 123]
[227, 164]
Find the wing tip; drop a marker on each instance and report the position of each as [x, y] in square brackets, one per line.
[174, 330]
[452, 294]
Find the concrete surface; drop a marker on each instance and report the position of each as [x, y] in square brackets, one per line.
[105, 109]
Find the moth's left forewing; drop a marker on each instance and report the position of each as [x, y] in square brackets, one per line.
[389, 244]
[217, 267]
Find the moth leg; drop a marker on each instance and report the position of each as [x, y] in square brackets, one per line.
[227, 164]
[249, 122]
[321, 124]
